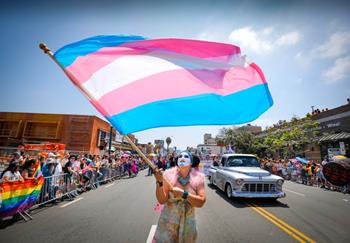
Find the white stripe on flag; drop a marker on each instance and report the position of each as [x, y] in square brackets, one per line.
[128, 69]
[123, 71]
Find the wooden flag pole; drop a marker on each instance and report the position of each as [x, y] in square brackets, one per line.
[47, 51]
[143, 156]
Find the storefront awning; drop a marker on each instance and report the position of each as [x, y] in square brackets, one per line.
[335, 137]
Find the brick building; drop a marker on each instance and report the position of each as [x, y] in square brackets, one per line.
[336, 124]
[80, 133]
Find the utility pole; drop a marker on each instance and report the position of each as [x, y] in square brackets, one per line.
[168, 142]
[110, 141]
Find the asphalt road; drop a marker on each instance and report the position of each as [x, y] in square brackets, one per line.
[123, 212]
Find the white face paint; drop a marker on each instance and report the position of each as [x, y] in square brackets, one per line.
[184, 159]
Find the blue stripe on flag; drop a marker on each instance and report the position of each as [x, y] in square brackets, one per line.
[207, 109]
[67, 54]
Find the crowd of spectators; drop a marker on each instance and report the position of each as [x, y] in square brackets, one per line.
[70, 174]
[79, 173]
[162, 162]
[309, 173]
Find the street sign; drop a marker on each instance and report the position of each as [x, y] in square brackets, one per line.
[333, 151]
[342, 148]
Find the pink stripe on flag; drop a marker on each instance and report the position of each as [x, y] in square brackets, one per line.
[258, 69]
[85, 66]
[195, 48]
[179, 83]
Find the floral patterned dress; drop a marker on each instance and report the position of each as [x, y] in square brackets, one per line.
[177, 221]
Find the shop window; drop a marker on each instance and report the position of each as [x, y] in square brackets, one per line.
[102, 138]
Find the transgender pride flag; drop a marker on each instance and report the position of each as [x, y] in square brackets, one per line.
[139, 83]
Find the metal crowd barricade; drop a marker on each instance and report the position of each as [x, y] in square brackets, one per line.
[55, 187]
[59, 187]
[65, 185]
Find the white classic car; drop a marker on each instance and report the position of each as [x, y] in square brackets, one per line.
[240, 175]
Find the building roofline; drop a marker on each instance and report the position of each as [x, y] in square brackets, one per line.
[58, 114]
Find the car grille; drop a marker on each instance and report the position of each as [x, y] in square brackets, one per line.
[261, 187]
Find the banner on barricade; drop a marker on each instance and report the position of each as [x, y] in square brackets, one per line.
[15, 197]
[18, 196]
[45, 146]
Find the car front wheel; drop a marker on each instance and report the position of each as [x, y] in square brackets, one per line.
[228, 191]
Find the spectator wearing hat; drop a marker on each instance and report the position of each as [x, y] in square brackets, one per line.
[49, 167]
[48, 172]
[58, 171]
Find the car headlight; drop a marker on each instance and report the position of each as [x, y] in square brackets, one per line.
[239, 182]
[280, 182]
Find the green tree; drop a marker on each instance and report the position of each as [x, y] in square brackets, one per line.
[243, 141]
[285, 139]
[290, 140]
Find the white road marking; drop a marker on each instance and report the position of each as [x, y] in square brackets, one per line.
[109, 185]
[151, 233]
[300, 194]
[346, 200]
[67, 204]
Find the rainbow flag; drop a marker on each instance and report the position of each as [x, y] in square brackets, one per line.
[18, 196]
[139, 83]
[37, 172]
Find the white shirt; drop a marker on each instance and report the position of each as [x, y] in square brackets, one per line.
[58, 171]
[12, 176]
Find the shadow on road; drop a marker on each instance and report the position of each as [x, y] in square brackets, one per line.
[243, 202]
[7, 223]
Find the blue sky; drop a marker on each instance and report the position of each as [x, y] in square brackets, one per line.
[303, 49]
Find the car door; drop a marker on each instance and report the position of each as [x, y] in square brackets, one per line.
[219, 179]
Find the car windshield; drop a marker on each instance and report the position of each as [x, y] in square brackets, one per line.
[242, 161]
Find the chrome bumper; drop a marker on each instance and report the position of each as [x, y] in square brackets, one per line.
[259, 195]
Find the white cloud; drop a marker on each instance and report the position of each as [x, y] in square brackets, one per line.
[303, 60]
[260, 42]
[264, 122]
[340, 70]
[267, 31]
[205, 35]
[288, 39]
[247, 38]
[337, 45]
